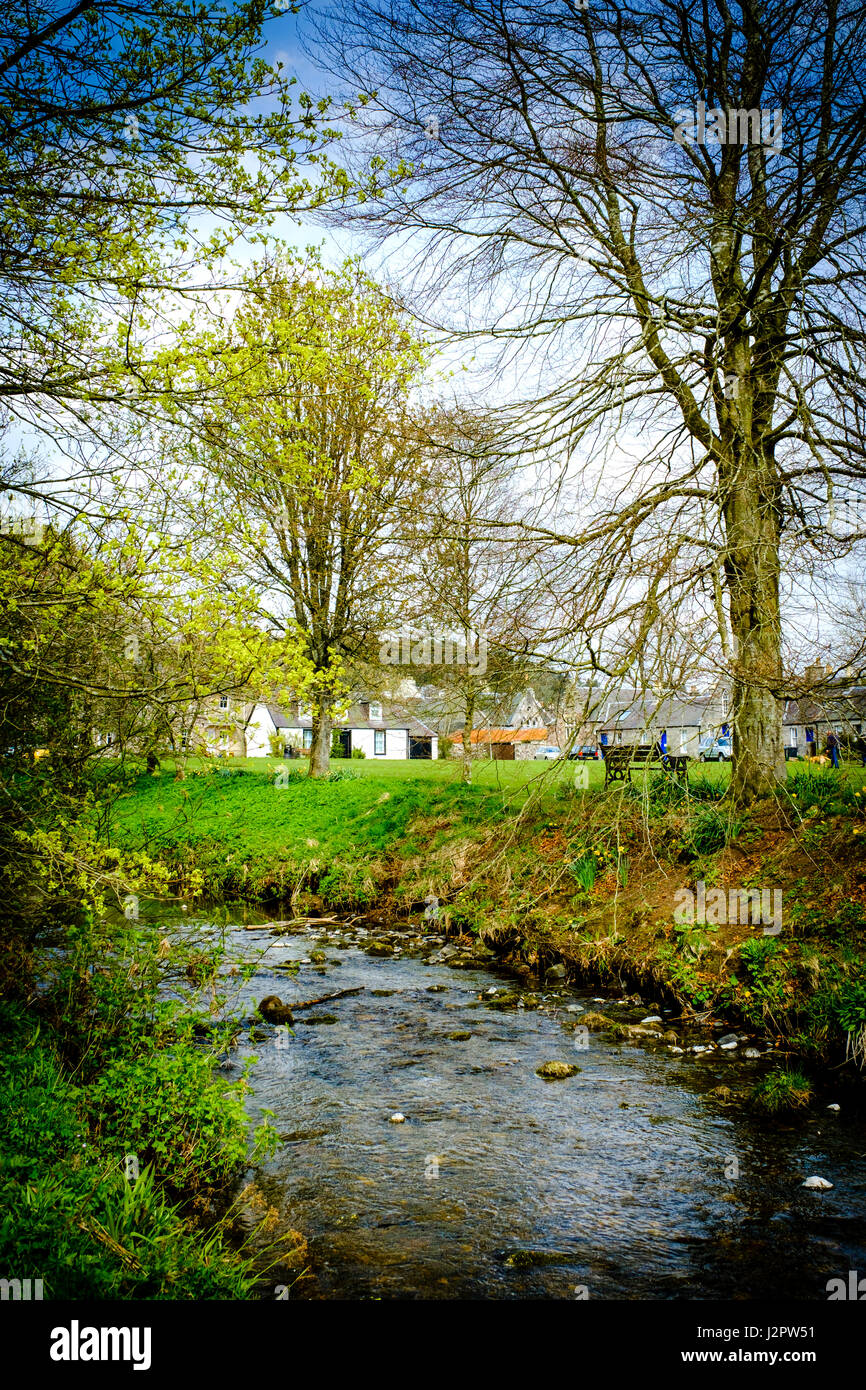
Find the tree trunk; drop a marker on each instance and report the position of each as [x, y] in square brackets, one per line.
[320, 749]
[467, 741]
[752, 578]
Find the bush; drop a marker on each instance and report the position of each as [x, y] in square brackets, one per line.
[358, 753]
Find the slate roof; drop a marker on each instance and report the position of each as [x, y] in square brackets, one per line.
[670, 712]
[396, 718]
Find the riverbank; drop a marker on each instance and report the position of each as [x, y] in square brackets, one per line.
[121, 1137]
[545, 873]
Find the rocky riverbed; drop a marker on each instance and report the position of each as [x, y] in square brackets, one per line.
[450, 1131]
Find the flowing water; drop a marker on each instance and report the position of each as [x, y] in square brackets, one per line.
[623, 1181]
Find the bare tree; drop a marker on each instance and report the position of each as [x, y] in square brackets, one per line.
[669, 198]
[470, 587]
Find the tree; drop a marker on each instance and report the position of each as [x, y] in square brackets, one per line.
[309, 450]
[122, 125]
[474, 594]
[673, 194]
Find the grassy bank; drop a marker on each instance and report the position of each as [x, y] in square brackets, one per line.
[545, 871]
[121, 1140]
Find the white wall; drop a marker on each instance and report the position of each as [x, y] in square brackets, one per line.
[396, 743]
[258, 729]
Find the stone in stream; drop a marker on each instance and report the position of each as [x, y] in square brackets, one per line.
[833, 1107]
[816, 1184]
[556, 972]
[319, 1018]
[729, 1040]
[273, 1010]
[751, 1053]
[574, 1008]
[379, 948]
[529, 1259]
[556, 1071]
[459, 1037]
[437, 989]
[652, 1018]
[397, 1118]
[318, 958]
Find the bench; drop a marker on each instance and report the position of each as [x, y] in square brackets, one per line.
[618, 762]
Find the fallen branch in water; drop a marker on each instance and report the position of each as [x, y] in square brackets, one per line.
[323, 998]
[292, 922]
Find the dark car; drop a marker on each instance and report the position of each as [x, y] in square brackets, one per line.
[588, 750]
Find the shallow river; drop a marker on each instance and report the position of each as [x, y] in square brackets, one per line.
[623, 1181]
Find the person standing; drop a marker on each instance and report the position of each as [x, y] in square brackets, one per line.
[833, 747]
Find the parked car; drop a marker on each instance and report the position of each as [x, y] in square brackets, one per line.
[588, 750]
[721, 750]
[549, 751]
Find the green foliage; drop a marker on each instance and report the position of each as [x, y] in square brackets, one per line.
[782, 1089]
[348, 884]
[827, 792]
[710, 829]
[70, 1216]
[358, 753]
[584, 870]
[164, 1104]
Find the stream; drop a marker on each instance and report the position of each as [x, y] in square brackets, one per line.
[623, 1181]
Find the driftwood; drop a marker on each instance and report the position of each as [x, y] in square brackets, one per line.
[323, 998]
[291, 922]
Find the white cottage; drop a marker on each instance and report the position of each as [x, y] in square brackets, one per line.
[378, 732]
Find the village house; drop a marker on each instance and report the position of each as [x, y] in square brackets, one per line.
[379, 731]
[838, 704]
[689, 721]
[525, 728]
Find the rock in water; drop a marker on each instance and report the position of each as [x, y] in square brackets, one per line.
[273, 1010]
[556, 1071]
[729, 1040]
[651, 1018]
[816, 1184]
[397, 1118]
[833, 1107]
[556, 972]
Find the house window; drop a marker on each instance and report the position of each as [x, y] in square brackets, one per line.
[224, 701]
[308, 738]
[184, 740]
[379, 741]
[376, 713]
